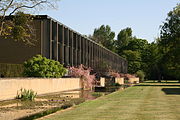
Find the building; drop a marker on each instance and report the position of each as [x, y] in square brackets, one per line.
[59, 42]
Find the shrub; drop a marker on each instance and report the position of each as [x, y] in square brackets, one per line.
[114, 74]
[141, 75]
[26, 94]
[84, 73]
[39, 66]
[67, 105]
[116, 84]
[97, 94]
[78, 101]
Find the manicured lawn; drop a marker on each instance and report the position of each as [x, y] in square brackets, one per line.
[148, 101]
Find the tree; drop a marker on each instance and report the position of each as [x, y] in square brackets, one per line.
[11, 7]
[134, 60]
[104, 36]
[123, 38]
[136, 44]
[154, 61]
[170, 43]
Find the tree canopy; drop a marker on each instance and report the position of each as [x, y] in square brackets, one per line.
[104, 36]
[170, 43]
[123, 38]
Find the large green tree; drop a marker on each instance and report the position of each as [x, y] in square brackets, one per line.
[123, 38]
[134, 60]
[104, 36]
[133, 49]
[170, 43]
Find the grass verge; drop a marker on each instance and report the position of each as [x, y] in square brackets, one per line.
[147, 101]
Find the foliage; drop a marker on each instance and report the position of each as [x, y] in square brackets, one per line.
[67, 105]
[170, 43]
[26, 94]
[39, 66]
[103, 35]
[97, 94]
[134, 60]
[141, 75]
[133, 49]
[116, 84]
[154, 69]
[114, 74]
[129, 76]
[21, 29]
[123, 38]
[84, 73]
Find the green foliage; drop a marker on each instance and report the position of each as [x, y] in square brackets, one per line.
[17, 32]
[141, 75]
[116, 84]
[67, 105]
[11, 70]
[104, 36]
[22, 29]
[134, 60]
[170, 43]
[135, 50]
[39, 66]
[26, 95]
[123, 38]
[97, 94]
[136, 44]
[10, 28]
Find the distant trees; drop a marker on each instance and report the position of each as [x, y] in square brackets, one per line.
[134, 60]
[169, 43]
[157, 60]
[104, 36]
[123, 38]
[126, 46]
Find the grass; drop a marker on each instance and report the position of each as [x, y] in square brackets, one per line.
[147, 101]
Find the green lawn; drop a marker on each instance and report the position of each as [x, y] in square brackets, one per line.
[148, 101]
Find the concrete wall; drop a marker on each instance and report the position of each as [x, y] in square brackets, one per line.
[119, 80]
[10, 86]
[133, 80]
[102, 82]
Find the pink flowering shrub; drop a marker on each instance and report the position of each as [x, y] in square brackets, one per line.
[127, 76]
[130, 76]
[84, 73]
[114, 74]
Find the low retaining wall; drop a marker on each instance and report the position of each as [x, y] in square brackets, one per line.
[102, 82]
[10, 86]
[119, 80]
[133, 80]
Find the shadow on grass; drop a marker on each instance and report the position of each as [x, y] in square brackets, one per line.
[171, 91]
[174, 82]
[158, 85]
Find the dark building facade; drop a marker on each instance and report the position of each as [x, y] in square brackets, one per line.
[59, 42]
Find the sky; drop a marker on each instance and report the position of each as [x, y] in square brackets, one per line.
[143, 16]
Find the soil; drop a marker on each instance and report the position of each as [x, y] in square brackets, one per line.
[15, 109]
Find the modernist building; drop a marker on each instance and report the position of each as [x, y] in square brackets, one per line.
[59, 42]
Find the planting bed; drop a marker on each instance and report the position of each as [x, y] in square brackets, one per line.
[47, 104]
